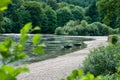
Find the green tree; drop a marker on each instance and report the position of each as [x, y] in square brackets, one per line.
[52, 20]
[77, 12]
[7, 25]
[1, 22]
[62, 4]
[3, 6]
[52, 3]
[63, 16]
[110, 9]
[36, 12]
[83, 3]
[92, 13]
[16, 13]
[23, 16]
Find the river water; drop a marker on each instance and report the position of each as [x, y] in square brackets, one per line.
[55, 45]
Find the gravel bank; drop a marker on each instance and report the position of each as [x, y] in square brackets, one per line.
[60, 67]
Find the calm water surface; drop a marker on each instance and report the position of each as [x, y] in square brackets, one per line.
[55, 45]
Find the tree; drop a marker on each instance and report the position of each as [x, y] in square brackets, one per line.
[36, 12]
[7, 25]
[92, 12]
[1, 22]
[23, 16]
[62, 4]
[77, 12]
[52, 3]
[110, 9]
[52, 20]
[82, 3]
[16, 13]
[64, 15]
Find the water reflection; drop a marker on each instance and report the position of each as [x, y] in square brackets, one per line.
[55, 45]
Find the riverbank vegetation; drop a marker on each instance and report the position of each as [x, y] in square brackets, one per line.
[63, 17]
[12, 52]
[85, 29]
[53, 16]
[102, 63]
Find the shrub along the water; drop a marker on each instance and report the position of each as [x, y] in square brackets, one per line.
[102, 63]
[83, 28]
[114, 39]
[104, 60]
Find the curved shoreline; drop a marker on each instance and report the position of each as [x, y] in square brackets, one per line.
[60, 67]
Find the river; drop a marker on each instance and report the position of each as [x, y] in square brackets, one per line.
[56, 45]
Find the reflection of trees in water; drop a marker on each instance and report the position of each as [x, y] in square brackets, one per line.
[55, 45]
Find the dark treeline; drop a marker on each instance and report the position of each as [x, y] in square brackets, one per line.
[51, 15]
[82, 3]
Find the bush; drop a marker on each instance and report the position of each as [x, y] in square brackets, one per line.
[59, 31]
[103, 29]
[103, 60]
[80, 75]
[93, 30]
[115, 31]
[85, 29]
[107, 77]
[114, 39]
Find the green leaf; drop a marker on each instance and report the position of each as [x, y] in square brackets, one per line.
[38, 50]
[36, 28]
[21, 56]
[8, 69]
[4, 51]
[20, 48]
[26, 28]
[3, 76]
[3, 48]
[75, 73]
[20, 70]
[84, 78]
[42, 45]
[23, 39]
[70, 78]
[3, 4]
[8, 42]
[80, 73]
[3, 8]
[90, 76]
[36, 39]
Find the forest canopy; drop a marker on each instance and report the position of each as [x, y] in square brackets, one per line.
[52, 14]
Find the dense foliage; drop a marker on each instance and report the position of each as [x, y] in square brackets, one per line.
[67, 17]
[102, 63]
[11, 52]
[40, 14]
[104, 60]
[52, 14]
[80, 75]
[83, 3]
[110, 10]
[83, 28]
